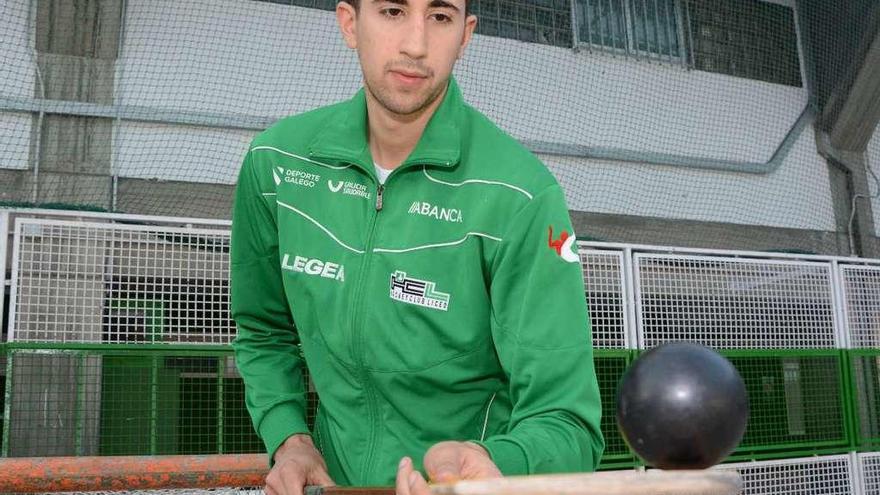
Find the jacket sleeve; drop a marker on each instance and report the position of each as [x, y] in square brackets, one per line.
[542, 335]
[267, 345]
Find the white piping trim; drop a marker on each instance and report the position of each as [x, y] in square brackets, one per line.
[258, 148]
[477, 181]
[270, 194]
[486, 420]
[346, 246]
[442, 244]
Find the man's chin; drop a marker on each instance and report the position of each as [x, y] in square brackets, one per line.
[408, 106]
[406, 102]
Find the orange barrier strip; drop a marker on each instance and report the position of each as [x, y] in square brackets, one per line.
[67, 474]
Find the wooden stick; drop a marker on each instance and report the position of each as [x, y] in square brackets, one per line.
[655, 482]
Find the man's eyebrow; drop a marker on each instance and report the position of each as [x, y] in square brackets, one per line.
[443, 4]
[434, 4]
[396, 2]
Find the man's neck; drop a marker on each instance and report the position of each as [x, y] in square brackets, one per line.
[393, 136]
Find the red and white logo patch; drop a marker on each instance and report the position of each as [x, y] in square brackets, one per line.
[563, 246]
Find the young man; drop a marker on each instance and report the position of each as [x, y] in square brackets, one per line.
[425, 263]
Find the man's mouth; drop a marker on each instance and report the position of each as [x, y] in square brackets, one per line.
[408, 74]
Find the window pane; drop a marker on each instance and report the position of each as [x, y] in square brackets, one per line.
[643, 26]
[654, 27]
[602, 23]
[537, 21]
[745, 38]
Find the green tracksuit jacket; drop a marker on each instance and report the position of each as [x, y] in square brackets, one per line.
[447, 304]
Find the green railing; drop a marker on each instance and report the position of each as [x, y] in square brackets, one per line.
[798, 400]
[800, 403]
[610, 365]
[864, 381]
[122, 399]
[95, 399]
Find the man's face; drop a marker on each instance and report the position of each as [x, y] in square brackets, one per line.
[407, 48]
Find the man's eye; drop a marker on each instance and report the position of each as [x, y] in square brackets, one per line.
[392, 12]
[441, 18]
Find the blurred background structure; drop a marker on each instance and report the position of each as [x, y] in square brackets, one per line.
[716, 156]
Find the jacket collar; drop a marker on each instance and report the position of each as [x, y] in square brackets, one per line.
[345, 137]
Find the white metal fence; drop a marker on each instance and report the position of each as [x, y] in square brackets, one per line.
[861, 291]
[89, 278]
[642, 296]
[118, 280]
[607, 296]
[827, 475]
[868, 464]
[92, 278]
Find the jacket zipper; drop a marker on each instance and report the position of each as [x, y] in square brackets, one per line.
[358, 333]
[358, 336]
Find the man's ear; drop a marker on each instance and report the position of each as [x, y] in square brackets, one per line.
[470, 24]
[346, 17]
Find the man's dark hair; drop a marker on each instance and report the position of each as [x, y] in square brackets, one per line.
[357, 4]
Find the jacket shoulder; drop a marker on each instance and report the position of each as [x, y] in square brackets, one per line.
[493, 152]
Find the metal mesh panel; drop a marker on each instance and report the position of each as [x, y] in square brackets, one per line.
[735, 303]
[5, 245]
[93, 282]
[796, 402]
[609, 370]
[126, 403]
[606, 297]
[827, 475]
[861, 288]
[870, 472]
[866, 395]
[3, 389]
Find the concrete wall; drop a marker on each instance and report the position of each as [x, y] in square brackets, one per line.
[55, 407]
[180, 153]
[263, 59]
[872, 162]
[286, 60]
[17, 79]
[59, 50]
[796, 195]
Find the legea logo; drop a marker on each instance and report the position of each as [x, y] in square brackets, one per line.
[314, 267]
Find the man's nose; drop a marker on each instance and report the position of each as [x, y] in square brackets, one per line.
[415, 40]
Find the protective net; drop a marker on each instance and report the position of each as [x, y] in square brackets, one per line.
[727, 124]
[708, 123]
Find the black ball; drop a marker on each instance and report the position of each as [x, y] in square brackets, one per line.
[682, 406]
